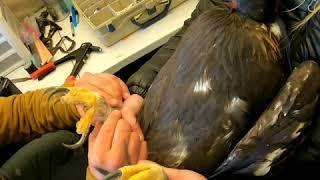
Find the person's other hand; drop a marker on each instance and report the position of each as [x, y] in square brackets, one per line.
[114, 144]
[129, 111]
[112, 88]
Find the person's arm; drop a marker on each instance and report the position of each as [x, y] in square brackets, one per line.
[26, 116]
[141, 80]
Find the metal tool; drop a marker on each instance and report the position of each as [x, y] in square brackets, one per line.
[7, 88]
[63, 48]
[80, 55]
[17, 80]
[43, 22]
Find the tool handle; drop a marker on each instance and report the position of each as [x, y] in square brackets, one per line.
[70, 81]
[77, 67]
[43, 71]
[96, 48]
[65, 59]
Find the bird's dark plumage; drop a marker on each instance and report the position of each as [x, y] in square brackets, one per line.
[226, 69]
[302, 19]
[258, 10]
[281, 127]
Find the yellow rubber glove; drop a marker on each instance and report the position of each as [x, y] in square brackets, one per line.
[147, 170]
[139, 172]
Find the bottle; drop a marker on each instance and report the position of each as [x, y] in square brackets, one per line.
[57, 9]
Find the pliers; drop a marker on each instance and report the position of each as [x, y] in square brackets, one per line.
[80, 55]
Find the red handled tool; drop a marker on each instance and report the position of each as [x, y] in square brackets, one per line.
[80, 55]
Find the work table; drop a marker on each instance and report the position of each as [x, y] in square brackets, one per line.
[115, 57]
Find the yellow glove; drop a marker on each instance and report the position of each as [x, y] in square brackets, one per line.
[139, 172]
[94, 107]
[147, 170]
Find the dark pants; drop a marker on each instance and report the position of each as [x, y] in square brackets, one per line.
[45, 158]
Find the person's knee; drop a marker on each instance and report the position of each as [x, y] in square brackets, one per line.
[43, 157]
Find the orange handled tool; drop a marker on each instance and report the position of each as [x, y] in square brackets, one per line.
[43, 71]
[80, 55]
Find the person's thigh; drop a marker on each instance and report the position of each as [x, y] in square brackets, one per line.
[46, 158]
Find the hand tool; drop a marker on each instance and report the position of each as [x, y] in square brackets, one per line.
[80, 55]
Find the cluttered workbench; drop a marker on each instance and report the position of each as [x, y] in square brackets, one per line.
[112, 58]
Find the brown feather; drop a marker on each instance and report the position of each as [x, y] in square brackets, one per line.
[224, 60]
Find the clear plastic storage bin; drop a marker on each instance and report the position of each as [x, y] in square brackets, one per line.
[116, 19]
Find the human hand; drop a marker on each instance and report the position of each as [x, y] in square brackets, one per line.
[112, 88]
[130, 109]
[114, 144]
